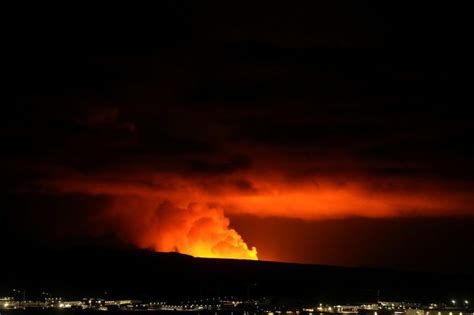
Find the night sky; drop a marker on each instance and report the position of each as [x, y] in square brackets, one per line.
[321, 132]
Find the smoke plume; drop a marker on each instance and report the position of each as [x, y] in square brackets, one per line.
[198, 230]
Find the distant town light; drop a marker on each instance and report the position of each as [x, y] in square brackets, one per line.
[453, 301]
[466, 302]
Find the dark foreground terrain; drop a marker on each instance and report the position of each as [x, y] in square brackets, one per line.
[81, 272]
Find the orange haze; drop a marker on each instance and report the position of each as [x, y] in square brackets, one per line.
[169, 212]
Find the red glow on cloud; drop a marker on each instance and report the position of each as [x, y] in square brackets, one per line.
[188, 214]
[197, 230]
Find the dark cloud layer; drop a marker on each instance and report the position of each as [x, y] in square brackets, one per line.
[365, 103]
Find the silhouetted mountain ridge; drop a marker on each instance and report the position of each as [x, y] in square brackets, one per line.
[87, 271]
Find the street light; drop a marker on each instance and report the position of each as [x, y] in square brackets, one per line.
[453, 301]
[466, 302]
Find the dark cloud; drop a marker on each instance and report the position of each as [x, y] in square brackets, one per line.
[246, 186]
[233, 164]
[47, 218]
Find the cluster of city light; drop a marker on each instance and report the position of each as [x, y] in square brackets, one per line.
[451, 307]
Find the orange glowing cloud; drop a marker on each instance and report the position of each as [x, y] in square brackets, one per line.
[170, 212]
[275, 196]
[329, 200]
[198, 230]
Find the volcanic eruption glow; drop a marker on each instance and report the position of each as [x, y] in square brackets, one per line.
[196, 229]
[189, 214]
